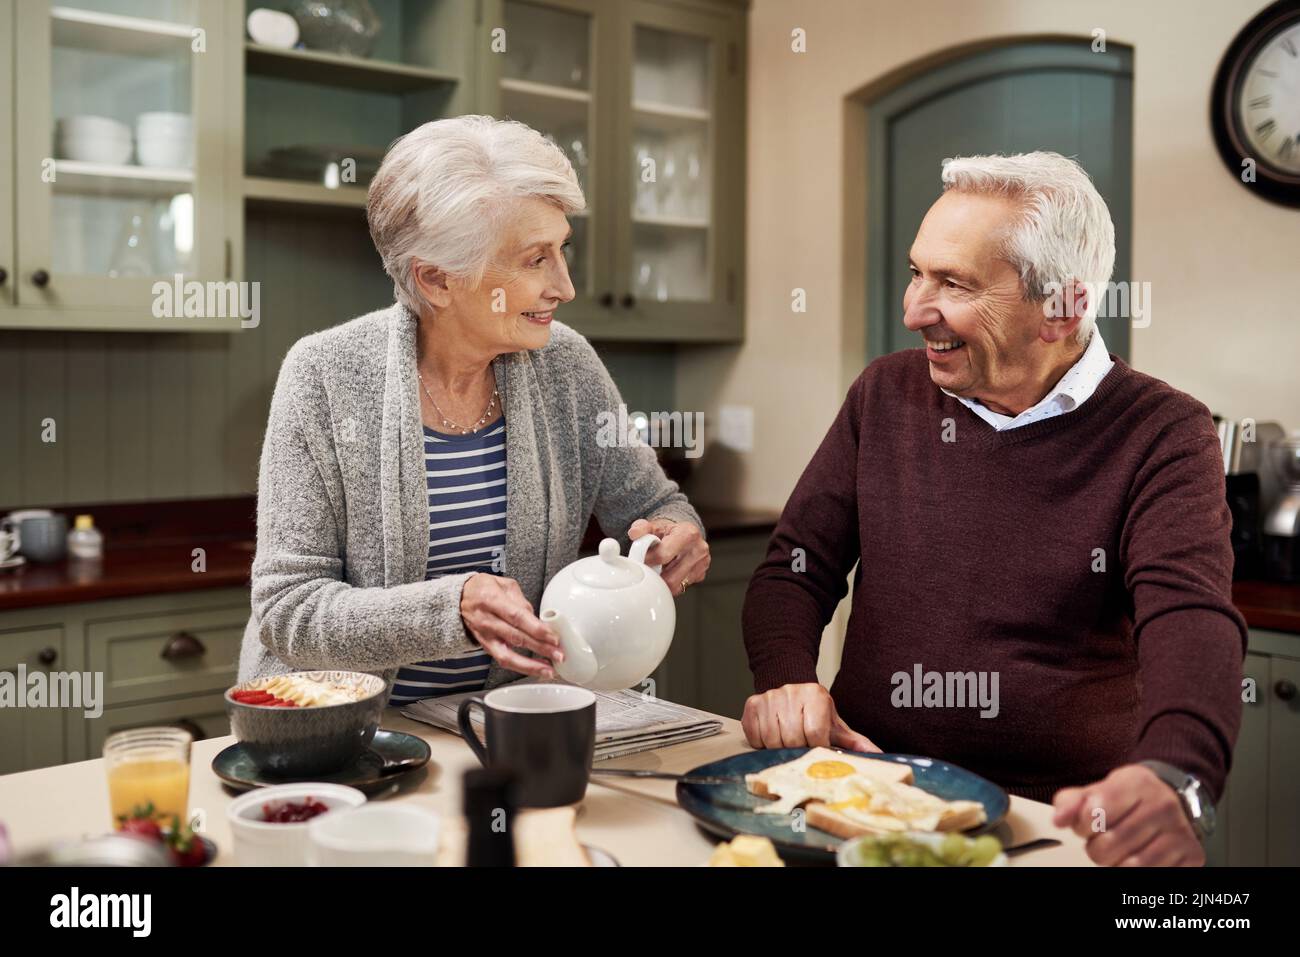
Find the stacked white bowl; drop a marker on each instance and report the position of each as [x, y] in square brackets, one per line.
[165, 140]
[94, 139]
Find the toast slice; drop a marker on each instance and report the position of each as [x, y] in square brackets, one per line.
[958, 816]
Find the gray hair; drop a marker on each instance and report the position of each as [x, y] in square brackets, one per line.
[1066, 232]
[444, 192]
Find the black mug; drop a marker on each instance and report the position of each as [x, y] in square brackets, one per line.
[544, 733]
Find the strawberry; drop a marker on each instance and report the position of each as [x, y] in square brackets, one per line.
[140, 823]
[186, 847]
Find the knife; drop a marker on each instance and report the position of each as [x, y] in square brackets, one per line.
[668, 776]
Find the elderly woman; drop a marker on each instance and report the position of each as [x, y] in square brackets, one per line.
[428, 468]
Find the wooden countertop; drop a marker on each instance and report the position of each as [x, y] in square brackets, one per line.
[127, 572]
[143, 566]
[638, 822]
[1268, 604]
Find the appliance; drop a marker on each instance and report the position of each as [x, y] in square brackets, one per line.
[1250, 487]
[1282, 522]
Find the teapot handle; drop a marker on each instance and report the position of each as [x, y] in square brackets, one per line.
[639, 549]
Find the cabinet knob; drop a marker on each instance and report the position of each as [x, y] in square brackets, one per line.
[607, 299]
[4, 274]
[1284, 689]
[40, 278]
[47, 656]
[183, 645]
[629, 301]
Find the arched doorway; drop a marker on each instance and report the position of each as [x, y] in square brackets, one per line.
[1040, 95]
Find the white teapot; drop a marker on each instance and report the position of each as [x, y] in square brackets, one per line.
[614, 615]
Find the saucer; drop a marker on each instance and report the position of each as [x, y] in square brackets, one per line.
[391, 757]
[13, 562]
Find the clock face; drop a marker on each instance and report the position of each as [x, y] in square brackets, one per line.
[1255, 105]
[1268, 104]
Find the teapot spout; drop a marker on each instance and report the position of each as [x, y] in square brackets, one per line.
[579, 665]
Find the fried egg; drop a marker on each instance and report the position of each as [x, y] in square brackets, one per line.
[822, 775]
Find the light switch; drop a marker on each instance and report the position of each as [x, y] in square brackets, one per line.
[736, 427]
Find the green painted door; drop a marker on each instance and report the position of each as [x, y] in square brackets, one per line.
[1056, 96]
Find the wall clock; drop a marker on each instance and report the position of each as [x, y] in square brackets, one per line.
[1255, 106]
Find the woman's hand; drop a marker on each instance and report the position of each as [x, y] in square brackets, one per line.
[682, 551]
[496, 612]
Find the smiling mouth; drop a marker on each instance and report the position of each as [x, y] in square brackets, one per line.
[943, 346]
[541, 318]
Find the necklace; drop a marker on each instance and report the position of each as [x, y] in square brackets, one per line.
[447, 423]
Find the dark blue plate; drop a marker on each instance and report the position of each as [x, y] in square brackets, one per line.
[728, 809]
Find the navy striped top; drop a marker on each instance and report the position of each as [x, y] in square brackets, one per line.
[466, 478]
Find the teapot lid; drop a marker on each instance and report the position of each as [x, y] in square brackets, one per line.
[608, 569]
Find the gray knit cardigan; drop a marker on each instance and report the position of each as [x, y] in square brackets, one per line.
[342, 508]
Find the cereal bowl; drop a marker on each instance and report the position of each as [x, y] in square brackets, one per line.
[314, 738]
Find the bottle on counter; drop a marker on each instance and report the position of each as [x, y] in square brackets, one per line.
[85, 542]
[489, 815]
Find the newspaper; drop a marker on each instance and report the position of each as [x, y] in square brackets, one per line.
[627, 721]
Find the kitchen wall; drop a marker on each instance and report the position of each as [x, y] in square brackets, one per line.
[140, 416]
[1221, 262]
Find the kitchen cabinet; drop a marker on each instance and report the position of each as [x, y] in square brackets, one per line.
[119, 109]
[165, 659]
[30, 737]
[7, 267]
[1257, 820]
[707, 666]
[647, 98]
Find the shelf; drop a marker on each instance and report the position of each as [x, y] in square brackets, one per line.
[547, 90]
[110, 33]
[671, 222]
[333, 69]
[125, 180]
[669, 111]
[286, 192]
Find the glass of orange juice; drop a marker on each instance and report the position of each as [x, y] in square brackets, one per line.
[148, 768]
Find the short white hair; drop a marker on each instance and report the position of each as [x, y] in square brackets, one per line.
[1066, 231]
[445, 190]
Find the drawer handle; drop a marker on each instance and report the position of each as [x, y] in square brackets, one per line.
[183, 645]
[188, 724]
[47, 656]
[1284, 689]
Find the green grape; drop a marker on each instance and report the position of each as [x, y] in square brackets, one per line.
[984, 849]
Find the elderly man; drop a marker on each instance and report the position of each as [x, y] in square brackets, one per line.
[1043, 585]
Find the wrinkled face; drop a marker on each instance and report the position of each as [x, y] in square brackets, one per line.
[512, 307]
[982, 337]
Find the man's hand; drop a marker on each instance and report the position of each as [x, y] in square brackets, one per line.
[1142, 823]
[682, 551]
[798, 715]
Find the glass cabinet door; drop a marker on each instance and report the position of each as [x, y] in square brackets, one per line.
[685, 173]
[119, 178]
[547, 82]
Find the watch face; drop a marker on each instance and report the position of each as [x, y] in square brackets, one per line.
[1268, 100]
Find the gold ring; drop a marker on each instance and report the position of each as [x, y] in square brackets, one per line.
[685, 582]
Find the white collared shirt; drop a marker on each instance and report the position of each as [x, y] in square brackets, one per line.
[1079, 382]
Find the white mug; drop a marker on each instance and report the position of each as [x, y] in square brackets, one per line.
[375, 835]
[10, 539]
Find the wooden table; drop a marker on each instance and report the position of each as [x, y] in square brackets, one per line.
[637, 821]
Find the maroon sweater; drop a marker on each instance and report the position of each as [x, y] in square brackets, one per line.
[978, 555]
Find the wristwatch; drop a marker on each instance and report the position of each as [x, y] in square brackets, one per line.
[1191, 792]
